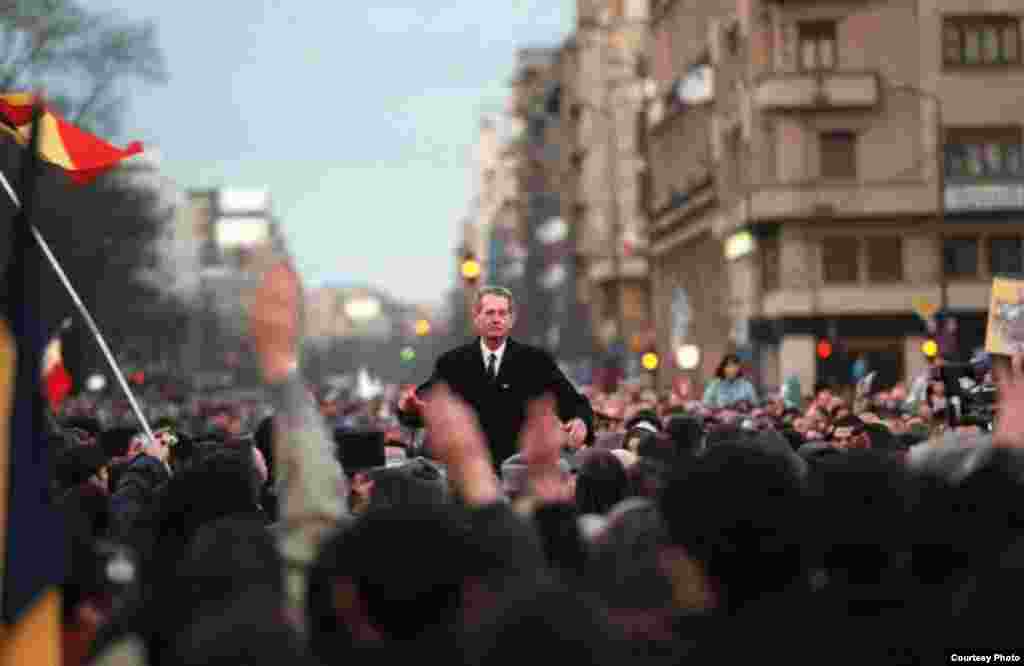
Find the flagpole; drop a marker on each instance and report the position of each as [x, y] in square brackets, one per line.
[89, 321]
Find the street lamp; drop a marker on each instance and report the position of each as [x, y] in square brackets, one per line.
[688, 356]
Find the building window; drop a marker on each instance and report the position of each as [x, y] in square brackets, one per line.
[1006, 255]
[960, 257]
[885, 259]
[839, 258]
[817, 45]
[838, 155]
[981, 40]
[770, 251]
[984, 153]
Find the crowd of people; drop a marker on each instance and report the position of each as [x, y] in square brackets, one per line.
[316, 528]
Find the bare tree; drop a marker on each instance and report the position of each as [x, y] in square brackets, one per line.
[81, 58]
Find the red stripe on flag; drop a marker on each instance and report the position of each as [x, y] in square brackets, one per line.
[16, 114]
[58, 385]
[90, 155]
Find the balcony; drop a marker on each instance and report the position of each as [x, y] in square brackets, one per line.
[826, 199]
[818, 91]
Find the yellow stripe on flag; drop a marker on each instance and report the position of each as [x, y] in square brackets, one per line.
[8, 363]
[51, 143]
[36, 639]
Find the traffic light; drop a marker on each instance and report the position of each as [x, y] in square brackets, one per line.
[470, 268]
[824, 349]
[650, 361]
[930, 348]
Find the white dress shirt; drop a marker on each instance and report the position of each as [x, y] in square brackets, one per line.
[498, 354]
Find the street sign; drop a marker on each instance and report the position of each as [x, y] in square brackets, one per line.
[1001, 196]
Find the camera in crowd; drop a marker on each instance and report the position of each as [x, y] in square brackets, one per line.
[973, 397]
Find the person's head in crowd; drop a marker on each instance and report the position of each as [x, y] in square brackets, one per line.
[409, 484]
[222, 482]
[628, 573]
[881, 438]
[227, 556]
[644, 419]
[660, 447]
[747, 532]
[723, 434]
[632, 439]
[823, 394]
[516, 481]
[83, 464]
[729, 368]
[360, 452]
[514, 477]
[802, 425]
[226, 421]
[601, 482]
[366, 587]
[862, 504]
[848, 433]
[87, 428]
[246, 629]
[539, 616]
[687, 432]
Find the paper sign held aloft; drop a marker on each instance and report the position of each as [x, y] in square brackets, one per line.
[1005, 334]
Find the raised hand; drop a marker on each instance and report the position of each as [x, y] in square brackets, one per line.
[1010, 420]
[274, 321]
[456, 439]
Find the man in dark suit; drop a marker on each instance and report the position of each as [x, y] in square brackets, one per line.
[498, 377]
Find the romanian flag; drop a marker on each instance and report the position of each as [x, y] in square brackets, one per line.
[56, 378]
[31, 532]
[82, 155]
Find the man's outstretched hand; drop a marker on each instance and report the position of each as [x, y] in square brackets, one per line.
[274, 321]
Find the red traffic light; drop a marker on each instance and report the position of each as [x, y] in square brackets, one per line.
[824, 349]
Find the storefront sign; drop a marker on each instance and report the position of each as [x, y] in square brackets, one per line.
[985, 197]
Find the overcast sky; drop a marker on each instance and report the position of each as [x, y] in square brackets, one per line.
[360, 120]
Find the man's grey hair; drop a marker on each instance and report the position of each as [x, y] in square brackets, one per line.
[494, 290]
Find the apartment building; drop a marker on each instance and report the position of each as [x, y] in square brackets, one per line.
[824, 170]
[602, 167]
